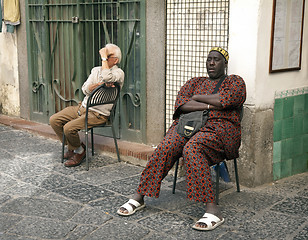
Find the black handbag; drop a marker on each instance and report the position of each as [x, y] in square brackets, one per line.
[192, 122]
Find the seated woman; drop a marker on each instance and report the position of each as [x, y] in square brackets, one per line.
[219, 139]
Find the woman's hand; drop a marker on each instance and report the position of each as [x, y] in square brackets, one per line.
[213, 107]
[211, 99]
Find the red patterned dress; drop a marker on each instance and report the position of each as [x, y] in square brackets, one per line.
[219, 139]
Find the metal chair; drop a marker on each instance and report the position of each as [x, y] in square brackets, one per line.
[217, 169]
[217, 178]
[100, 96]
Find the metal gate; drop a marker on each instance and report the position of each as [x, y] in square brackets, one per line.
[64, 38]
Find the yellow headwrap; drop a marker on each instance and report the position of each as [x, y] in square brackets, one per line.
[222, 51]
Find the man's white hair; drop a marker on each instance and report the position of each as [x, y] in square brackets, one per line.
[117, 51]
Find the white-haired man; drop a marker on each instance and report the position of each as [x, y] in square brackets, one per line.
[71, 120]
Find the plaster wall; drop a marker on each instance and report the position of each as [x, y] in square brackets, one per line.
[155, 52]
[269, 83]
[243, 43]
[23, 65]
[249, 48]
[9, 91]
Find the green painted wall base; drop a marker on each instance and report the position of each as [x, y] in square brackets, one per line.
[290, 151]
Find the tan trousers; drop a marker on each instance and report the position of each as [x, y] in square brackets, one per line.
[71, 120]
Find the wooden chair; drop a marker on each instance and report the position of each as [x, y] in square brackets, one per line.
[100, 96]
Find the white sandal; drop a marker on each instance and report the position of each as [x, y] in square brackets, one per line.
[211, 222]
[129, 208]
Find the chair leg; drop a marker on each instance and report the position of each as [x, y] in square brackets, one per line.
[236, 176]
[175, 175]
[87, 150]
[115, 142]
[63, 145]
[92, 141]
[217, 184]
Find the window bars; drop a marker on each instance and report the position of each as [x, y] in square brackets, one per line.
[193, 28]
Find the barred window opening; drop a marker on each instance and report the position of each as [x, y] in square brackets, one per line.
[193, 28]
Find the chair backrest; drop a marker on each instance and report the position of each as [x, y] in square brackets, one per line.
[103, 95]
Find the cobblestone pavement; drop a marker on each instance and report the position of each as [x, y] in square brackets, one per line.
[41, 199]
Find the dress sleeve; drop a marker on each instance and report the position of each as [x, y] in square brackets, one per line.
[233, 92]
[184, 95]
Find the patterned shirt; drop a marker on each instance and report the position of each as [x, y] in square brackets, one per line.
[225, 122]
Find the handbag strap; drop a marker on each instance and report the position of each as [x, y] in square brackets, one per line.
[219, 83]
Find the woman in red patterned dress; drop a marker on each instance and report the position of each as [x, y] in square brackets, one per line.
[218, 140]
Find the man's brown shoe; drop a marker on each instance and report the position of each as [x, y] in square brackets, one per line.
[68, 154]
[75, 160]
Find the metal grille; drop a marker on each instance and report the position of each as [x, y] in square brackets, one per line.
[64, 39]
[193, 27]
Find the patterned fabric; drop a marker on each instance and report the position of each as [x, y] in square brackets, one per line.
[219, 139]
[225, 123]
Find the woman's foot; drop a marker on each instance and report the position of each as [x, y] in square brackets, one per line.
[133, 205]
[211, 219]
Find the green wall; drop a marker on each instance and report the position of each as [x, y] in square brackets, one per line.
[290, 153]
